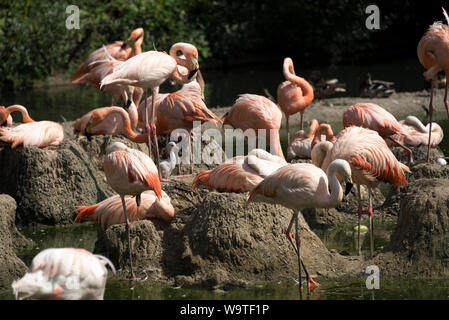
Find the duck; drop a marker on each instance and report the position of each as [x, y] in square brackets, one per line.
[325, 88]
[376, 88]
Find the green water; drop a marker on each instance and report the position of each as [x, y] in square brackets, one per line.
[341, 238]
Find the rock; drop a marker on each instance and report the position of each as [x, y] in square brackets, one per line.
[49, 184]
[419, 154]
[429, 170]
[11, 267]
[422, 231]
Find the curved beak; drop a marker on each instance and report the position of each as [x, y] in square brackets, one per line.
[349, 186]
[195, 66]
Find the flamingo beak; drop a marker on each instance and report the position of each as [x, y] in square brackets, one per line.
[196, 67]
[349, 186]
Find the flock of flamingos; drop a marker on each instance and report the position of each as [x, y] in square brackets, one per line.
[359, 154]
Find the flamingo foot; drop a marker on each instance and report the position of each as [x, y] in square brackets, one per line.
[289, 235]
[312, 284]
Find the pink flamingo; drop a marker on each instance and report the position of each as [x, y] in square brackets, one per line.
[110, 121]
[126, 94]
[294, 95]
[41, 134]
[130, 172]
[299, 186]
[5, 115]
[149, 70]
[374, 117]
[300, 145]
[371, 161]
[64, 274]
[433, 54]
[251, 111]
[418, 134]
[119, 50]
[241, 173]
[178, 110]
[110, 211]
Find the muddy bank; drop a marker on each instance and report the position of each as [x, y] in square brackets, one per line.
[11, 267]
[218, 241]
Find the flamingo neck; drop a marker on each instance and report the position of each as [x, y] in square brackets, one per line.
[326, 128]
[313, 127]
[415, 123]
[163, 210]
[130, 134]
[275, 143]
[336, 194]
[133, 115]
[25, 117]
[138, 45]
[319, 153]
[307, 89]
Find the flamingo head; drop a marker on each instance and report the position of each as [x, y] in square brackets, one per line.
[135, 34]
[3, 116]
[191, 57]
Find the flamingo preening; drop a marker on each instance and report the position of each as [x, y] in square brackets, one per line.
[64, 274]
[5, 114]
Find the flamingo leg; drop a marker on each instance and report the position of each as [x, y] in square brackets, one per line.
[147, 126]
[371, 224]
[129, 236]
[191, 151]
[288, 130]
[446, 103]
[430, 115]
[359, 213]
[298, 249]
[302, 120]
[155, 91]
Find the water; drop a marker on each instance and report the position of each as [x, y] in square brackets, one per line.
[339, 238]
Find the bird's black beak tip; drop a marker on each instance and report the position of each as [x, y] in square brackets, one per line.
[348, 189]
[192, 73]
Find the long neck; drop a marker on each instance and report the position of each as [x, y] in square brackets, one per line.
[326, 128]
[313, 127]
[25, 117]
[139, 138]
[307, 89]
[318, 154]
[173, 157]
[133, 115]
[336, 194]
[138, 45]
[275, 143]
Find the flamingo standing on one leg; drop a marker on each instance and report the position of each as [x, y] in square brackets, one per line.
[374, 117]
[251, 111]
[299, 186]
[119, 50]
[64, 273]
[371, 161]
[241, 173]
[110, 211]
[149, 69]
[433, 54]
[5, 114]
[418, 134]
[179, 110]
[130, 172]
[294, 95]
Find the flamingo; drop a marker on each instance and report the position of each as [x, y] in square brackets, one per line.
[371, 161]
[130, 172]
[433, 54]
[417, 133]
[110, 121]
[125, 93]
[5, 114]
[64, 274]
[119, 50]
[241, 173]
[110, 211]
[299, 186]
[294, 95]
[41, 134]
[169, 164]
[374, 117]
[149, 70]
[252, 111]
[303, 141]
[179, 110]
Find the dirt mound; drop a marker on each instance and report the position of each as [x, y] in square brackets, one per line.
[419, 154]
[11, 267]
[422, 232]
[220, 242]
[49, 184]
